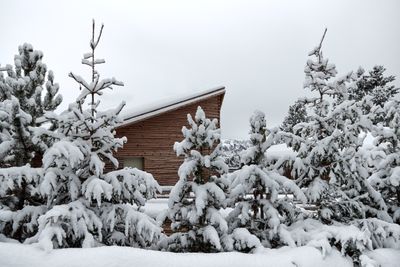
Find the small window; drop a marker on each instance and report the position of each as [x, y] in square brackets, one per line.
[134, 162]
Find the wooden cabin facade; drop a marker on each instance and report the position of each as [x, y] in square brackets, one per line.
[151, 133]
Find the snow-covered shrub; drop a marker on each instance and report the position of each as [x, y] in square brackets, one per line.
[350, 239]
[86, 205]
[20, 201]
[200, 192]
[242, 240]
[68, 225]
[254, 191]
[382, 234]
[126, 226]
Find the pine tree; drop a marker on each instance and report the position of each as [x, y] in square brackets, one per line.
[386, 176]
[21, 112]
[374, 93]
[23, 86]
[329, 163]
[199, 194]
[297, 113]
[254, 191]
[369, 90]
[20, 202]
[87, 206]
[375, 84]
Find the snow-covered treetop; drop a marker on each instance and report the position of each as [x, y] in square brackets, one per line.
[260, 139]
[258, 126]
[22, 105]
[203, 133]
[201, 148]
[318, 71]
[97, 85]
[27, 80]
[374, 84]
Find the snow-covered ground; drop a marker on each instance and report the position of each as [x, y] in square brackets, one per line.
[154, 207]
[13, 255]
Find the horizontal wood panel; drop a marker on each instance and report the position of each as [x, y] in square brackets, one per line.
[154, 138]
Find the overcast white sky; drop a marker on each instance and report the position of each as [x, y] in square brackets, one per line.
[257, 49]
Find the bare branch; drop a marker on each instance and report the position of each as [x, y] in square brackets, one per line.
[101, 31]
[322, 39]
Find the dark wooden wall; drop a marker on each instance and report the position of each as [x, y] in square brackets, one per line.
[154, 138]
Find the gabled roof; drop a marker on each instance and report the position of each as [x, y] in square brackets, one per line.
[139, 114]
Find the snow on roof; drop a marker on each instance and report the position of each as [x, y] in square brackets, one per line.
[137, 114]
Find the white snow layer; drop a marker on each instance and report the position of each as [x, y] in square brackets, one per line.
[31, 255]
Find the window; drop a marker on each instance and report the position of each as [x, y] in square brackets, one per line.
[134, 162]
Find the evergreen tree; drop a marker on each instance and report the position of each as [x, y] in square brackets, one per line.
[375, 84]
[386, 177]
[329, 162]
[369, 90]
[21, 113]
[23, 86]
[254, 191]
[297, 113]
[199, 194]
[87, 206]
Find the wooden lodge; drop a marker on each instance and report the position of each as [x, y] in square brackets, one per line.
[152, 132]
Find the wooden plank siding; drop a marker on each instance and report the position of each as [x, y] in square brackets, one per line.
[153, 138]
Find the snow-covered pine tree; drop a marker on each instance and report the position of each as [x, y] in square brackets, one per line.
[254, 191]
[200, 193]
[386, 176]
[329, 162]
[350, 173]
[297, 113]
[375, 84]
[18, 186]
[374, 94]
[371, 89]
[87, 206]
[24, 86]
[21, 109]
